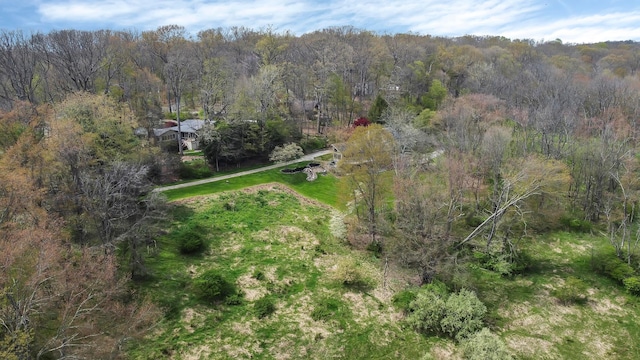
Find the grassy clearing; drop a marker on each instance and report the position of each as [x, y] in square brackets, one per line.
[277, 247]
[535, 324]
[272, 246]
[322, 189]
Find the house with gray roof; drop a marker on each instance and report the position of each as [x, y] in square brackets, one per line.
[188, 132]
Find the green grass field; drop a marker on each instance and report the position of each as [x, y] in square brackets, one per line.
[272, 246]
[322, 189]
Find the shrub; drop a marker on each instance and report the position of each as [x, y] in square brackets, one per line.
[402, 300]
[196, 169]
[522, 263]
[286, 152]
[427, 308]
[350, 272]
[632, 284]
[495, 261]
[575, 224]
[463, 314]
[190, 239]
[573, 291]
[484, 345]
[211, 286]
[607, 263]
[473, 221]
[264, 307]
[427, 311]
[337, 226]
[235, 298]
[311, 144]
[375, 247]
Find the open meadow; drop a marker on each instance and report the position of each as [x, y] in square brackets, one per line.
[288, 286]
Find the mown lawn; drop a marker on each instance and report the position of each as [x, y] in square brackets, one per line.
[322, 189]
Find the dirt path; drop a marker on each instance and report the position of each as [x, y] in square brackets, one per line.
[307, 157]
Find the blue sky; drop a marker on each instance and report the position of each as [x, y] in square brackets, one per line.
[572, 21]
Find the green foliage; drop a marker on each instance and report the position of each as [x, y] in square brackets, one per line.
[9, 134]
[463, 314]
[402, 299]
[377, 109]
[184, 115]
[496, 261]
[190, 238]
[424, 119]
[313, 143]
[264, 307]
[375, 247]
[485, 345]
[170, 304]
[457, 315]
[258, 275]
[573, 291]
[632, 284]
[435, 96]
[326, 309]
[472, 220]
[15, 345]
[607, 263]
[575, 224]
[196, 169]
[427, 310]
[211, 286]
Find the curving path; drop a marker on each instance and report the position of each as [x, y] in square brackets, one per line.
[308, 157]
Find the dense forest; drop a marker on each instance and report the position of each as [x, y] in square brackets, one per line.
[474, 144]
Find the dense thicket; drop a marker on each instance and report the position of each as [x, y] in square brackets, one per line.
[488, 138]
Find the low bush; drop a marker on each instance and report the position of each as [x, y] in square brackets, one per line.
[312, 144]
[607, 263]
[457, 315]
[196, 169]
[237, 298]
[402, 300]
[264, 307]
[575, 224]
[495, 261]
[190, 239]
[573, 291]
[211, 286]
[427, 311]
[350, 272]
[632, 284]
[463, 315]
[485, 345]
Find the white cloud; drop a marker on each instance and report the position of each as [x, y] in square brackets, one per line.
[531, 19]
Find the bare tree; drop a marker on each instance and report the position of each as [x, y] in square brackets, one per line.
[77, 56]
[180, 69]
[122, 209]
[18, 67]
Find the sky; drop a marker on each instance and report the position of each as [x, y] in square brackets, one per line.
[572, 21]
